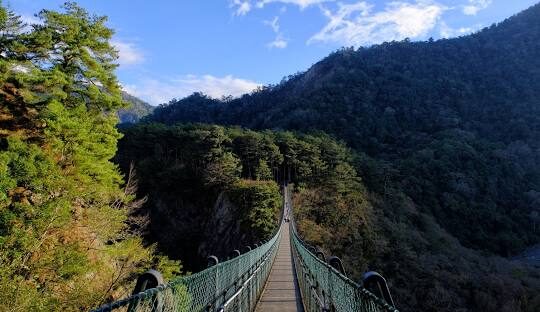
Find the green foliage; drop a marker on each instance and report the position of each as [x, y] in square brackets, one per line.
[3, 16]
[211, 189]
[446, 136]
[167, 267]
[401, 98]
[260, 204]
[256, 150]
[263, 171]
[223, 170]
[65, 237]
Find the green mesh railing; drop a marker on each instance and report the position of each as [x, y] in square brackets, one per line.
[236, 284]
[233, 285]
[323, 288]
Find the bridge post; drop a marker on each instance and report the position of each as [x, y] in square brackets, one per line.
[235, 253]
[148, 280]
[320, 255]
[377, 284]
[337, 264]
[212, 260]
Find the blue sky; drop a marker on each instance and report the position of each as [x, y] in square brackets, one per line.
[171, 48]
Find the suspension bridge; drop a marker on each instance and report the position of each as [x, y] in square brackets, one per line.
[283, 274]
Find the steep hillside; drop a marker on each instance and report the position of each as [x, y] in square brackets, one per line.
[137, 109]
[447, 142]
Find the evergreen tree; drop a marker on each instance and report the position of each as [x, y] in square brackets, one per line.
[262, 171]
[64, 237]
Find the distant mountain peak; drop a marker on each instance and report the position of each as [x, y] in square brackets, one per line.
[137, 109]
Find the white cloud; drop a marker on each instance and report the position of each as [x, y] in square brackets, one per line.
[475, 6]
[356, 24]
[449, 32]
[161, 91]
[242, 7]
[279, 42]
[274, 24]
[128, 53]
[301, 3]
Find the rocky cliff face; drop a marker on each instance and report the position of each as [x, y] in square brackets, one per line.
[192, 232]
[178, 226]
[222, 233]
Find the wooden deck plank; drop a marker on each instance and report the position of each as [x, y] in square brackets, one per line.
[281, 293]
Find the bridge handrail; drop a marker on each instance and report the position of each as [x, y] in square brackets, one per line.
[238, 281]
[324, 288]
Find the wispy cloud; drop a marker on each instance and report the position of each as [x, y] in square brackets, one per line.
[301, 3]
[157, 91]
[242, 7]
[128, 53]
[274, 24]
[356, 24]
[449, 32]
[279, 41]
[474, 6]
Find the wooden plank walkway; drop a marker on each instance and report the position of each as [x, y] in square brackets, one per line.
[281, 292]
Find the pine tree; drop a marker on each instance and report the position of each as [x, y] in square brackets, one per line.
[64, 237]
[262, 171]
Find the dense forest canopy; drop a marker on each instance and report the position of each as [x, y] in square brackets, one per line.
[213, 189]
[446, 139]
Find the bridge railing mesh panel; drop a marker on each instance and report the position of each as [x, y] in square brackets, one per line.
[233, 285]
[323, 288]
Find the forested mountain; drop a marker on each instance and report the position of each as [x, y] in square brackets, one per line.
[136, 110]
[446, 136]
[212, 189]
[456, 121]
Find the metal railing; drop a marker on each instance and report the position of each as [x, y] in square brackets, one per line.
[233, 285]
[325, 288]
[236, 284]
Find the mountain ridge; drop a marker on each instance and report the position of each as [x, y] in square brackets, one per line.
[446, 137]
[136, 110]
[401, 98]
